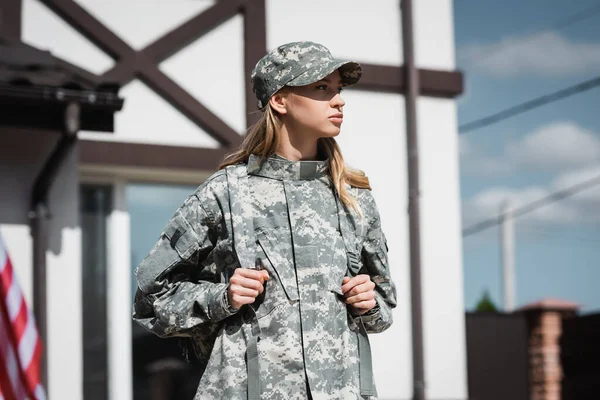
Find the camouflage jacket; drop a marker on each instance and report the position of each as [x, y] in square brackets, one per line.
[308, 336]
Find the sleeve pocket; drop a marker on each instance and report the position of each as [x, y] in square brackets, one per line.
[181, 236]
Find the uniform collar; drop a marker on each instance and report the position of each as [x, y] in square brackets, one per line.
[278, 167]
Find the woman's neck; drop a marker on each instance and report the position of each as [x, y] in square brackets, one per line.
[296, 147]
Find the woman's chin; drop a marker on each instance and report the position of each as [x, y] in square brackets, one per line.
[331, 133]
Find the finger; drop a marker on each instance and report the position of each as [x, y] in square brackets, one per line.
[365, 306]
[265, 275]
[259, 275]
[363, 287]
[357, 280]
[366, 296]
[349, 285]
[238, 301]
[248, 283]
[242, 291]
[345, 280]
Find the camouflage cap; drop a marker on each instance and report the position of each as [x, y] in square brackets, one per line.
[298, 64]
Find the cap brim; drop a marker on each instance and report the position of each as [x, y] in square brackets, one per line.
[350, 73]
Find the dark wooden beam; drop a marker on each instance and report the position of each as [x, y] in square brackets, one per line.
[170, 43]
[255, 46]
[381, 78]
[447, 84]
[123, 71]
[189, 106]
[90, 27]
[193, 29]
[140, 155]
[10, 19]
[434, 83]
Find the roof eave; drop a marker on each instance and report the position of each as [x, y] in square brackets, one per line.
[57, 95]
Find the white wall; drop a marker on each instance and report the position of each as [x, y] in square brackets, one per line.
[441, 251]
[434, 34]
[348, 28]
[441, 240]
[373, 139]
[21, 157]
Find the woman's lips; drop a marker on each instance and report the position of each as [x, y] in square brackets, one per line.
[337, 118]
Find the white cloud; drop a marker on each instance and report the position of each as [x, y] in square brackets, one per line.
[547, 53]
[583, 207]
[585, 198]
[553, 147]
[556, 146]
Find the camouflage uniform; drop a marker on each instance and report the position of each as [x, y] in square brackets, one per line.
[307, 337]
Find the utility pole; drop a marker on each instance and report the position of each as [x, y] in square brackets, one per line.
[507, 239]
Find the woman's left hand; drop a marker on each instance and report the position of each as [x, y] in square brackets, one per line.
[359, 293]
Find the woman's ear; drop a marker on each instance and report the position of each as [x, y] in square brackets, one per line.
[278, 102]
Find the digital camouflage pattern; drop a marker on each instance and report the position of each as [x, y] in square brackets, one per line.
[298, 64]
[308, 337]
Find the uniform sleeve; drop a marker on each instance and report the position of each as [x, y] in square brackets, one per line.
[179, 288]
[375, 263]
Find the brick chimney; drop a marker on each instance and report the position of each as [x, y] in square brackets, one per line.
[544, 326]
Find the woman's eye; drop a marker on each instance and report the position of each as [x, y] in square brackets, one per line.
[322, 87]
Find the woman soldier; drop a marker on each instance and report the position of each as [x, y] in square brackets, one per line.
[276, 267]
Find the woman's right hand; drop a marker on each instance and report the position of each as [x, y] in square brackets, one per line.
[245, 285]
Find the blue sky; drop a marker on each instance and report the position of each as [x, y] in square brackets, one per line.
[511, 52]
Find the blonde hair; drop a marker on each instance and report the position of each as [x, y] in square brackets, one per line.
[263, 140]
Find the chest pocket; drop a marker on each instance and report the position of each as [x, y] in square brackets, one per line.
[280, 263]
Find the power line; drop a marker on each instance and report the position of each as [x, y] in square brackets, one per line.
[559, 235]
[560, 24]
[529, 105]
[534, 205]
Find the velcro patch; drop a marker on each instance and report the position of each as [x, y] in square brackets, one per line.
[175, 237]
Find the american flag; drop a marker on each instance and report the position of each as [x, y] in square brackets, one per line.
[20, 344]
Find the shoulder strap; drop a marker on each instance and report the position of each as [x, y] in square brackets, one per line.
[367, 385]
[348, 235]
[242, 225]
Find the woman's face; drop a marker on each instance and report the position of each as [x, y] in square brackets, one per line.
[315, 110]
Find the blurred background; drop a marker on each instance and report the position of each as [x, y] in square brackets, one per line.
[512, 55]
[530, 189]
[113, 112]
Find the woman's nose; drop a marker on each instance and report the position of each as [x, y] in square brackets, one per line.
[337, 101]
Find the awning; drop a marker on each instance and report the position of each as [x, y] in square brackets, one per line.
[35, 88]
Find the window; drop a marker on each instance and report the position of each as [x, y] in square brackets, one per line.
[159, 369]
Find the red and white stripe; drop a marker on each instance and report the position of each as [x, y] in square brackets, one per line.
[20, 344]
